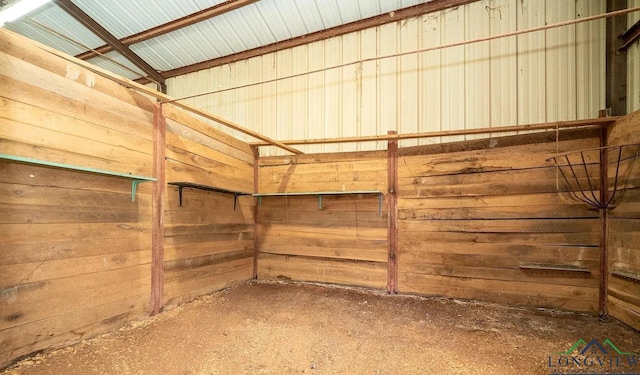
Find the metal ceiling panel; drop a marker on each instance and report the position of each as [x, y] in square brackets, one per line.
[255, 24]
[180, 48]
[349, 11]
[110, 62]
[275, 21]
[125, 17]
[309, 13]
[258, 24]
[369, 8]
[330, 13]
[53, 17]
[288, 10]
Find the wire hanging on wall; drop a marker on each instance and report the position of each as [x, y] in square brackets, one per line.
[572, 165]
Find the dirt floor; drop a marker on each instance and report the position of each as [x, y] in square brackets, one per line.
[276, 328]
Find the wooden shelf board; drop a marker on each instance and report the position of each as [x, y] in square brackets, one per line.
[206, 187]
[74, 167]
[182, 185]
[135, 179]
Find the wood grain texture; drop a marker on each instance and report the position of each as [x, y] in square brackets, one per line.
[624, 223]
[157, 208]
[63, 228]
[304, 173]
[208, 245]
[76, 251]
[469, 218]
[347, 272]
[348, 234]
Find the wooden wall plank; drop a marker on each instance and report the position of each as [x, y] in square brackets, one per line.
[189, 285]
[16, 48]
[35, 96]
[286, 267]
[222, 139]
[469, 219]
[33, 119]
[303, 174]
[208, 244]
[526, 181]
[624, 221]
[71, 328]
[507, 292]
[75, 242]
[346, 230]
[179, 148]
[15, 274]
[493, 159]
[112, 97]
[625, 130]
[181, 172]
[23, 303]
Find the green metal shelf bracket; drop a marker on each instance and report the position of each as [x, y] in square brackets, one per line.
[134, 189]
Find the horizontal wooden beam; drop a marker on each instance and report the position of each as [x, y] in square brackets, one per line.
[398, 15]
[174, 25]
[601, 121]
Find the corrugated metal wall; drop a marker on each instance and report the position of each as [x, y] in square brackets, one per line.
[550, 75]
[633, 64]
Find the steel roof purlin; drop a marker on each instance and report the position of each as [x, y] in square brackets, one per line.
[104, 34]
[166, 38]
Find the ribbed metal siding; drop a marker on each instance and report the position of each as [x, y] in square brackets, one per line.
[257, 24]
[550, 75]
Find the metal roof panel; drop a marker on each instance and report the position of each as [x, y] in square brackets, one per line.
[258, 24]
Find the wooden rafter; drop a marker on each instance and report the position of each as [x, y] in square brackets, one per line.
[174, 25]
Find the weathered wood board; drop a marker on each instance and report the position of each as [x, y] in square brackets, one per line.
[624, 226]
[470, 218]
[74, 260]
[75, 257]
[339, 239]
[208, 243]
[346, 272]
[320, 172]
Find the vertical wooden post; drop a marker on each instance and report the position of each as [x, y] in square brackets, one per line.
[604, 237]
[392, 202]
[157, 225]
[256, 222]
